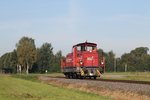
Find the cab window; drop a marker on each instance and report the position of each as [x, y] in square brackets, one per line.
[81, 48]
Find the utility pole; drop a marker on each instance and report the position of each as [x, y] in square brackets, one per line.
[114, 64]
[125, 67]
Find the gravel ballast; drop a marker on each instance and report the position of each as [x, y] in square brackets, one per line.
[117, 90]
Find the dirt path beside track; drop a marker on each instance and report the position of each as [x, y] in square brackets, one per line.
[118, 91]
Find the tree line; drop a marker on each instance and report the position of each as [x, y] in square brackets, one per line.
[137, 60]
[27, 58]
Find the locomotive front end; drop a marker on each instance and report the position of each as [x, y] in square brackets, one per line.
[84, 62]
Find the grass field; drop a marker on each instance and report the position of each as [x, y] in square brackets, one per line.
[139, 76]
[28, 87]
[23, 87]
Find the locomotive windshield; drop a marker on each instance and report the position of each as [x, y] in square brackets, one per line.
[85, 46]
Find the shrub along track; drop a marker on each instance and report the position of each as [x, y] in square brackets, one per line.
[118, 89]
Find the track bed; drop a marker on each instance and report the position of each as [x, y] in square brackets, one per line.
[118, 90]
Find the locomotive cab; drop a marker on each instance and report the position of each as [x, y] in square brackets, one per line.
[83, 61]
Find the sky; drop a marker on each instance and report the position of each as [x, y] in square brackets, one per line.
[115, 25]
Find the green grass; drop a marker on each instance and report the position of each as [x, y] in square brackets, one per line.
[23, 87]
[31, 77]
[139, 76]
[56, 74]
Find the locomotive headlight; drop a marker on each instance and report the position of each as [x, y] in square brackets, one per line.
[81, 62]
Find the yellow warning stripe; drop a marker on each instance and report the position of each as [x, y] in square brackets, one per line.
[98, 73]
[82, 72]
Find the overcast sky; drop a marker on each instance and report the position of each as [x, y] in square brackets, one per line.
[117, 25]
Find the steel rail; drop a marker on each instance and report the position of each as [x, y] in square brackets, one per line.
[109, 80]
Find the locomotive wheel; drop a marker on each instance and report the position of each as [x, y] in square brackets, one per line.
[82, 77]
[66, 76]
[69, 76]
[95, 77]
[75, 76]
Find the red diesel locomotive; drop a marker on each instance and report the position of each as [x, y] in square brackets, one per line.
[84, 61]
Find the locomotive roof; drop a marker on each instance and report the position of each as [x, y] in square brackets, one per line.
[86, 44]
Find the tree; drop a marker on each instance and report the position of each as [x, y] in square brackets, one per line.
[109, 58]
[137, 60]
[57, 64]
[3, 61]
[8, 62]
[101, 53]
[141, 57]
[140, 51]
[26, 53]
[13, 59]
[45, 57]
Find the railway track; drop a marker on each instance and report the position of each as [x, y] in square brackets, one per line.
[125, 81]
[109, 80]
[119, 89]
